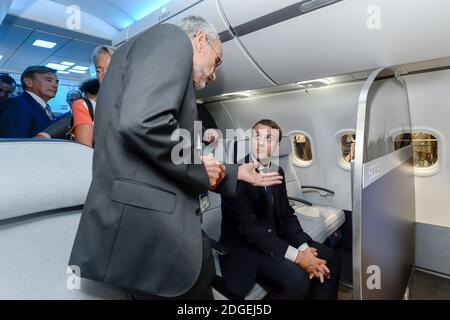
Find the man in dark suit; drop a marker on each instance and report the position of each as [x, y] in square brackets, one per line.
[27, 115]
[265, 240]
[7, 87]
[140, 228]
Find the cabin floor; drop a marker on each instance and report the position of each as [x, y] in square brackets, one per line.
[424, 286]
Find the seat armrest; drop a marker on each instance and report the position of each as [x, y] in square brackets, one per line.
[309, 204]
[218, 247]
[319, 189]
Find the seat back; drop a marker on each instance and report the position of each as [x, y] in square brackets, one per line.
[293, 186]
[43, 188]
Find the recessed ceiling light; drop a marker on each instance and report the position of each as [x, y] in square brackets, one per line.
[314, 83]
[44, 44]
[245, 94]
[77, 71]
[56, 66]
[67, 63]
[64, 72]
[80, 68]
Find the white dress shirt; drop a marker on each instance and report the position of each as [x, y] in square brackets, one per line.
[44, 106]
[291, 253]
[38, 100]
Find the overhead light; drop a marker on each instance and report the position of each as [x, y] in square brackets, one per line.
[243, 94]
[67, 63]
[80, 68]
[310, 5]
[314, 83]
[56, 66]
[77, 71]
[64, 72]
[44, 44]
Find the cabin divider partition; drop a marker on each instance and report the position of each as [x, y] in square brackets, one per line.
[383, 190]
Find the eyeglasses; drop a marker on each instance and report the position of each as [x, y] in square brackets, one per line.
[218, 59]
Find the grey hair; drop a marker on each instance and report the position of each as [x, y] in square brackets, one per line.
[194, 24]
[102, 50]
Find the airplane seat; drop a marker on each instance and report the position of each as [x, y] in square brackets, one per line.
[319, 222]
[44, 186]
[211, 224]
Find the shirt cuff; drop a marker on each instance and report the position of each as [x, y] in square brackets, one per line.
[291, 254]
[303, 247]
[44, 134]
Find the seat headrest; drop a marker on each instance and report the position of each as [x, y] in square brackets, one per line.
[285, 146]
[241, 150]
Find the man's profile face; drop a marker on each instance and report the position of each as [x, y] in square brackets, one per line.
[43, 85]
[207, 57]
[101, 65]
[265, 141]
[6, 90]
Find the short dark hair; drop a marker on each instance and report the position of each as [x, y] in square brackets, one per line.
[271, 124]
[30, 72]
[74, 91]
[91, 86]
[6, 78]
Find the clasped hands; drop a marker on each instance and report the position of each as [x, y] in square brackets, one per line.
[316, 268]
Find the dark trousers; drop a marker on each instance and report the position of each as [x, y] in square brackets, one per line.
[202, 289]
[290, 282]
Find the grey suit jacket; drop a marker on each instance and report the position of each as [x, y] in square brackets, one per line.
[140, 228]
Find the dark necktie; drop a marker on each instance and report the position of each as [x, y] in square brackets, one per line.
[49, 112]
[269, 195]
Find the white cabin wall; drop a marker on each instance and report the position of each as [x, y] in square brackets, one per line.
[336, 110]
[429, 100]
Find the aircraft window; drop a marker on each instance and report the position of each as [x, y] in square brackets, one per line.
[348, 141]
[425, 146]
[302, 148]
[425, 149]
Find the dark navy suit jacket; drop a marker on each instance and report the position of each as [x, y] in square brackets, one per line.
[251, 226]
[22, 117]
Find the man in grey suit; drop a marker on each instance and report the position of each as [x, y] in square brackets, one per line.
[140, 229]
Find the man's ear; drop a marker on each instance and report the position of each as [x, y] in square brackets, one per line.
[28, 83]
[200, 39]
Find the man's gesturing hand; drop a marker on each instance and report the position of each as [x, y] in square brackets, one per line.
[247, 172]
[211, 136]
[215, 170]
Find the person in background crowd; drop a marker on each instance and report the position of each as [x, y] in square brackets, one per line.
[83, 112]
[72, 96]
[27, 115]
[7, 87]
